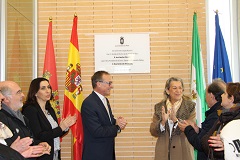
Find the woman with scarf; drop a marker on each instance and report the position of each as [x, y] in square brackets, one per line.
[172, 143]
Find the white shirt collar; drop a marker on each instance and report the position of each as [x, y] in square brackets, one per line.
[100, 96]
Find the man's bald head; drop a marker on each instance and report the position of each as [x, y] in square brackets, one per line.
[13, 95]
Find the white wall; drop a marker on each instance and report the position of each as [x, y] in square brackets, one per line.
[2, 39]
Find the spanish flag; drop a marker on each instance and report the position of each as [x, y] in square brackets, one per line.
[73, 96]
[50, 71]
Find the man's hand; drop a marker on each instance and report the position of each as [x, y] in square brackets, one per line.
[183, 124]
[21, 145]
[121, 122]
[34, 151]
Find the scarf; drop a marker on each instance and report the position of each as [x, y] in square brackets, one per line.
[174, 106]
[5, 132]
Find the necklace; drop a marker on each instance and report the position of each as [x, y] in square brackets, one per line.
[45, 111]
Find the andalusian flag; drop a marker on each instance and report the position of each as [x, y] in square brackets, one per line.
[50, 71]
[197, 80]
[73, 96]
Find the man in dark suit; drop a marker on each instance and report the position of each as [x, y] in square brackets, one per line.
[99, 125]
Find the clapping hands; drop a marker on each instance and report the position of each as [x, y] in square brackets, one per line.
[170, 114]
[34, 151]
[121, 122]
[21, 145]
[37, 151]
[27, 151]
[68, 122]
[184, 123]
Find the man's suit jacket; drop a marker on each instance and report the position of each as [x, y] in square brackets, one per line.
[99, 131]
[17, 127]
[41, 127]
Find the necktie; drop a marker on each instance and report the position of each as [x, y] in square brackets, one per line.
[106, 106]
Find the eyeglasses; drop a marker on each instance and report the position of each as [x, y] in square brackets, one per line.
[109, 83]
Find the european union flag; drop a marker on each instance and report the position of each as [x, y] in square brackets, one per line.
[221, 67]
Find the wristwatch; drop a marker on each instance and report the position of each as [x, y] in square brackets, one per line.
[118, 129]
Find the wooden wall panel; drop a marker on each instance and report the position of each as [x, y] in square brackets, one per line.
[169, 24]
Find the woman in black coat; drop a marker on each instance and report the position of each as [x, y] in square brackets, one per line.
[42, 117]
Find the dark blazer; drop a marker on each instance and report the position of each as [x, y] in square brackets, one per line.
[7, 153]
[17, 127]
[41, 127]
[99, 131]
[194, 138]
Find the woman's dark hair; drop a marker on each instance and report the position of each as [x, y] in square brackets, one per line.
[233, 89]
[33, 89]
[217, 88]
